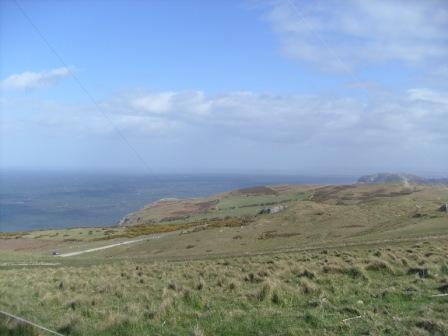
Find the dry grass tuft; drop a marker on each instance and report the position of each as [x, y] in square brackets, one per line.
[379, 265]
[200, 284]
[70, 326]
[306, 273]
[265, 291]
[308, 287]
[276, 296]
[172, 285]
[167, 303]
[253, 278]
[433, 327]
[116, 319]
[197, 331]
[233, 285]
[352, 271]
[13, 328]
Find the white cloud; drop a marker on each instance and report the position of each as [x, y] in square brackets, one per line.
[237, 129]
[429, 96]
[31, 80]
[413, 118]
[155, 103]
[417, 115]
[163, 102]
[343, 34]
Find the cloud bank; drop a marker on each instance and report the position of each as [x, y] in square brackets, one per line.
[246, 129]
[417, 117]
[33, 80]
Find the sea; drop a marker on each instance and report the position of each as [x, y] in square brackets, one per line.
[38, 200]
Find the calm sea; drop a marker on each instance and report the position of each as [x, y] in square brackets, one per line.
[42, 200]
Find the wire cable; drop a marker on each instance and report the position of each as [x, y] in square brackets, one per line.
[83, 88]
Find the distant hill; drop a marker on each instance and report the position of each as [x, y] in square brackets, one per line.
[390, 178]
[400, 178]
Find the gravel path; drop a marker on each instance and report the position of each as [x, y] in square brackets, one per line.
[72, 254]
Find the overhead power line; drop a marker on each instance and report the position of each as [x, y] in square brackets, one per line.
[83, 88]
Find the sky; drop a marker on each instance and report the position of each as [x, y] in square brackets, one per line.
[287, 86]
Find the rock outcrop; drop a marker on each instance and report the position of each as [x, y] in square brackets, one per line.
[400, 178]
[390, 178]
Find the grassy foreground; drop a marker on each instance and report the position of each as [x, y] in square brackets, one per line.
[390, 290]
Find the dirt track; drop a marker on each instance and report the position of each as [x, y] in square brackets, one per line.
[72, 254]
[156, 236]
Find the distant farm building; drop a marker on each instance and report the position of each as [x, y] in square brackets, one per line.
[271, 210]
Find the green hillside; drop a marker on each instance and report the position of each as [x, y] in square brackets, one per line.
[272, 260]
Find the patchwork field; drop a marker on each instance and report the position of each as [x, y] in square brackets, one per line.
[363, 259]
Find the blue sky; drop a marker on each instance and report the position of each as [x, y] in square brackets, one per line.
[229, 86]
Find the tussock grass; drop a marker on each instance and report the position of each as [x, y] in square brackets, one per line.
[306, 273]
[265, 290]
[379, 265]
[197, 331]
[70, 326]
[432, 326]
[309, 287]
[351, 271]
[11, 327]
[297, 293]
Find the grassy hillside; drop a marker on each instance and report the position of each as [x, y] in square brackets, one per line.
[325, 215]
[236, 203]
[335, 260]
[309, 215]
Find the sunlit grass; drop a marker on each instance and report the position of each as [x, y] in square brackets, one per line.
[285, 294]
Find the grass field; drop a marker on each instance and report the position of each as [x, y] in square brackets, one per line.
[385, 289]
[338, 260]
